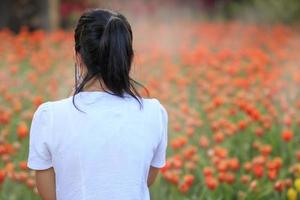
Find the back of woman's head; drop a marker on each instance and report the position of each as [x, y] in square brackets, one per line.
[103, 39]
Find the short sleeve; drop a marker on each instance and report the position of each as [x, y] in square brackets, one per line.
[159, 158]
[39, 156]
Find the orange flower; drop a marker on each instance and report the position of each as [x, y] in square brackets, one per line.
[259, 132]
[22, 130]
[272, 174]
[234, 164]
[37, 100]
[203, 142]
[2, 175]
[178, 142]
[211, 183]
[222, 166]
[248, 166]
[258, 171]
[23, 165]
[245, 179]
[184, 188]
[30, 182]
[219, 137]
[266, 150]
[279, 186]
[229, 178]
[287, 135]
[189, 179]
[207, 171]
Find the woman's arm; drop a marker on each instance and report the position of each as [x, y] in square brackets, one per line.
[45, 182]
[152, 175]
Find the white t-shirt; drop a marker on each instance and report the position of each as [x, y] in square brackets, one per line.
[103, 154]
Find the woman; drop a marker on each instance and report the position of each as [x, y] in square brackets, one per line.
[105, 141]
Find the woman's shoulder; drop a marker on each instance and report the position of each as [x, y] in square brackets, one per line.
[154, 101]
[42, 110]
[150, 103]
[48, 105]
[155, 104]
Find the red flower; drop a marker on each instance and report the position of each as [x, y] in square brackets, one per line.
[189, 179]
[258, 171]
[211, 183]
[287, 135]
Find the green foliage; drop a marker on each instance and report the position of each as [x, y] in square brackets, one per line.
[266, 11]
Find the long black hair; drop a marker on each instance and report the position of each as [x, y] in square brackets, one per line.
[103, 38]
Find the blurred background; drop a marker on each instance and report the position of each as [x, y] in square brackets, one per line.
[53, 14]
[227, 71]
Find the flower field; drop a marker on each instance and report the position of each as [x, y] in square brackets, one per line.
[231, 91]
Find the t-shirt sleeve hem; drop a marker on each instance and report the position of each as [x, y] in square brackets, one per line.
[158, 165]
[38, 166]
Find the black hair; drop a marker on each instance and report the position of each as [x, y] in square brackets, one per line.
[103, 38]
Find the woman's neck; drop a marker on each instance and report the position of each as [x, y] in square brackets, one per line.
[94, 85]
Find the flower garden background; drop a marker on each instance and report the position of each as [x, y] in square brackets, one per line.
[231, 90]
